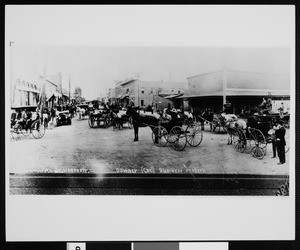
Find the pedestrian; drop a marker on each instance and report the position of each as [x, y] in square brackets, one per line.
[273, 138]
[45, 118]
[28, 120]
[280, 142]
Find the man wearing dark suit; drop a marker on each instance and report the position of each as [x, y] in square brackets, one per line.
[280, 143]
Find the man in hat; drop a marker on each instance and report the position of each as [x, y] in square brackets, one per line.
[280, 142]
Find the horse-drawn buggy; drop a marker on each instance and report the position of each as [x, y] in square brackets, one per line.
[26, 121]
[216, 122]
[257, 135]
[100, 117]
[168, 128]
[84, 110]
[177, 133]
[119, 118]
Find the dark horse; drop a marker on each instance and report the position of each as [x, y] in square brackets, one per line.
[141, 121]
[202, 117]
[152, 122]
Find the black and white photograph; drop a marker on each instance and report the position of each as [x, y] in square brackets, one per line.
[99, 110]
[149, 120]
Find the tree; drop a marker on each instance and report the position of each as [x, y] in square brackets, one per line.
[78, 95]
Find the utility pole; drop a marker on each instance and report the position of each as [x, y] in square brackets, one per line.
[138, 87]
[43, 92]
[69, 89]
[12, 91]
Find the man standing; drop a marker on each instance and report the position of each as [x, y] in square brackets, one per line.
[273, 138]
[280, 142]
[133, 112]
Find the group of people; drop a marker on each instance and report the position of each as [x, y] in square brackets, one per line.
[23, 118]
[278, 141]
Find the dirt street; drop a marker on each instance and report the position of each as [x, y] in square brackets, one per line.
[81, 149]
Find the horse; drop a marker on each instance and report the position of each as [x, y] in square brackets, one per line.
[173, 118]
[119, 117]
[139, 121]
[206, 116]
[80, 112]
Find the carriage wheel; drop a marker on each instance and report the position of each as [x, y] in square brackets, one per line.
[239, 140]
[37, 129]
[159, 136]
[19, 132]
[16, 133]
[260, 143]
[194, 135]
[91, 121]
[25, 132]
[177, 137]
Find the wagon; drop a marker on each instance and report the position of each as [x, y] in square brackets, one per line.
[256, 137]
[99, 118]
[33, 126]
[177, 134]
[218, 124]
[119, 118]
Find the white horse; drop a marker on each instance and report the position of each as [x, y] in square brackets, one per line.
[80, 112]
[232, 122]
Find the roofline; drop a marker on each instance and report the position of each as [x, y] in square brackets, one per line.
[206, 73]
[124, 83]
[233, 70]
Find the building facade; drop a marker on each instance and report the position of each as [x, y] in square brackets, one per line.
[240, 89]
[24, 93]
[142, 93]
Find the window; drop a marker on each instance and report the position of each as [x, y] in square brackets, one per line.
[142, 102]
[143, 91]
[178, 91]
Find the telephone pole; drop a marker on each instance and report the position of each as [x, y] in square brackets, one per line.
[12, 97]
[138, 87]
[69, 89]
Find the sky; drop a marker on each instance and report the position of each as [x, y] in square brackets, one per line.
[98, 45]
[96, 68]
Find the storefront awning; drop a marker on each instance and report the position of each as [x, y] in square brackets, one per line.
[173, 96]
[240, 92]
[28, 89]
